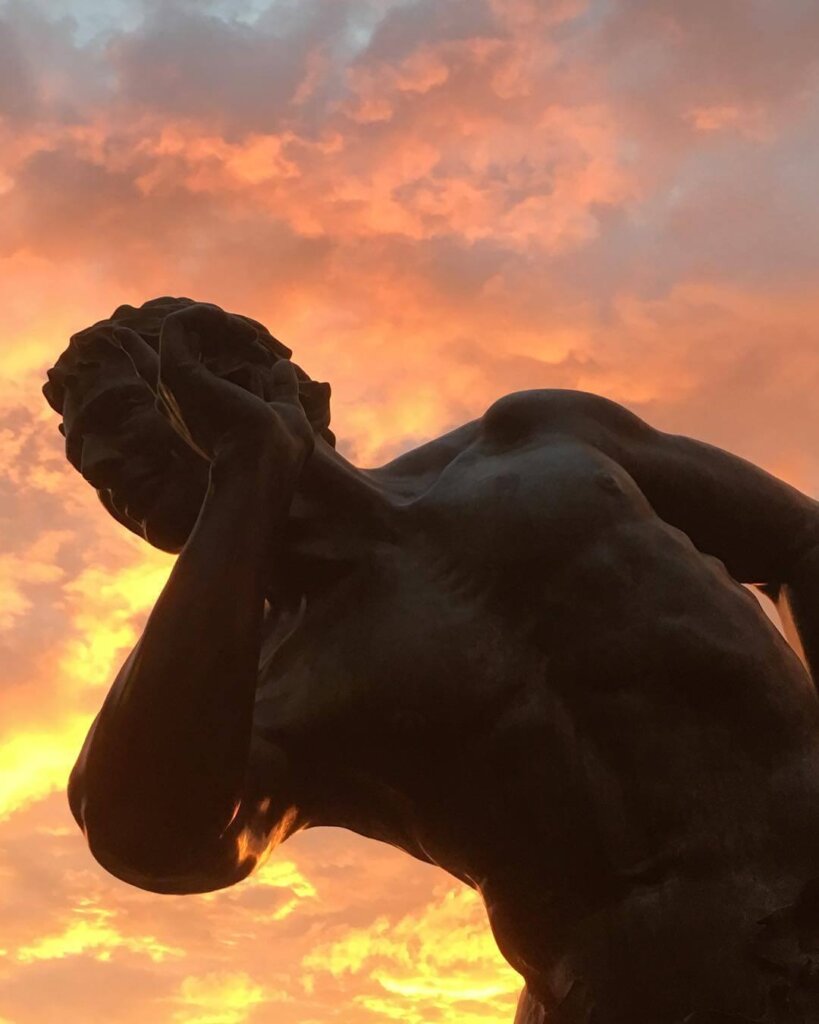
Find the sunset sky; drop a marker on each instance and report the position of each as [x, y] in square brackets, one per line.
[434, 203]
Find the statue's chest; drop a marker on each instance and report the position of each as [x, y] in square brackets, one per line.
[456, 623]
[415, 647]
[503, 515]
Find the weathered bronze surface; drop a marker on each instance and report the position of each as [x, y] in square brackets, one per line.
[521, 652]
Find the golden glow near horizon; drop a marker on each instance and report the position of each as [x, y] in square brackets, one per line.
[433, 204]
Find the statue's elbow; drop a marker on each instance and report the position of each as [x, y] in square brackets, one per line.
[115, 836]
[162, 855]
[76, 793]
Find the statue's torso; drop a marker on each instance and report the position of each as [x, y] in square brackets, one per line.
[548, 690]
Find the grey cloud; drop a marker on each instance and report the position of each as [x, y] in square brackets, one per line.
[191, 65]
[242, 77]
[48, 72]
[662, 55]
[18, 89]
[60, 199]
[407, 26]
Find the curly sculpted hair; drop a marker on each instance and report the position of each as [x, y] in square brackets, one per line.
[81, 366]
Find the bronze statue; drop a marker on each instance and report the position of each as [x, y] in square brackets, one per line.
[521, 652]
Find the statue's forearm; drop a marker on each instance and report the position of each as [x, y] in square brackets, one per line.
[758, 525]
[166, 760]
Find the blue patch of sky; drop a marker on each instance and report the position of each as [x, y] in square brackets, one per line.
[587, 18]
[94, 20]
[286, 17]
[91, 19]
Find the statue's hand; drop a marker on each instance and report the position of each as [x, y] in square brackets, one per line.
[252, 403]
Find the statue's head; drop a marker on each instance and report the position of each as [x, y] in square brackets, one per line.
[116, 434]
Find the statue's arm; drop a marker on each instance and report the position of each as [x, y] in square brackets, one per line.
[765, 531]
[170, 787]
[758, 525]
[173, 790]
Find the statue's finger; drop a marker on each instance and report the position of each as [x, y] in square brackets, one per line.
[314, 396]
[282, 384]
[145, 360]
[180, 345]
[248, 378]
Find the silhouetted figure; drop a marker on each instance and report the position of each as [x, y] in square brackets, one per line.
[520, 652]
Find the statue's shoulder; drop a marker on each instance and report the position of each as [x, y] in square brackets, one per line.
[557, 407]
[514, 418]
[410, 470]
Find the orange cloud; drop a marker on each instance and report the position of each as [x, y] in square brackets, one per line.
[34, 764]
[436, 963]
[93, 932]
[105, 608]
[221, 998]
[21, 570]
[728, 117]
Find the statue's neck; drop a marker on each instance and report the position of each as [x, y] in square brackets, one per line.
[338, 517]
[334, 490]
